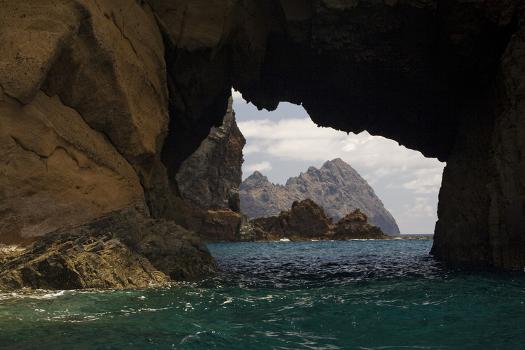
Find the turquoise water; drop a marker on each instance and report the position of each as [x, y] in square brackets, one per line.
[314, 295]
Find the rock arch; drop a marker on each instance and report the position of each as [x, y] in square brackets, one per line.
[446, 77]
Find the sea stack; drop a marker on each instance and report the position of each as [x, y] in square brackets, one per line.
[336, 187]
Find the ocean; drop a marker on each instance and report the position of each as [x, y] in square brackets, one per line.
[286, 295]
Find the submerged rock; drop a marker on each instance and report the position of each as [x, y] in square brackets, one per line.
[122, 250]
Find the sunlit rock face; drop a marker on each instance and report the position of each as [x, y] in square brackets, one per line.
[83, 111]
[336, 187]
[142, 83]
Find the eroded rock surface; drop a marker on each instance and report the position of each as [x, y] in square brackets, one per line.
[83, 110]
[216, 225]
[121, 250]
[336, 187]
[148, 79]
[208, 183]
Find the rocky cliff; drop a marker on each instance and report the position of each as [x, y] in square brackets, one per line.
[208, 182]
[211, 176]
[306, 220]
[336, 187]
[102, 101]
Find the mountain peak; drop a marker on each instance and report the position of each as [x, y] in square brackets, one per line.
[256, 179]
[336, 186]
[337, 162]
[257, 174]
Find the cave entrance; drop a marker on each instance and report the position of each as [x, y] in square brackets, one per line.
[286, 144]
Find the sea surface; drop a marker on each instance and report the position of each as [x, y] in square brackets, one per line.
[311, 295]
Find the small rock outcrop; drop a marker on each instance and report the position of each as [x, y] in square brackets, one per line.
[307, 220]
[336, 186]
[215, 225]
[355, 226]
[121, 250]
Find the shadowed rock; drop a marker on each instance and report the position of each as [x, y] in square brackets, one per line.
[211, 176]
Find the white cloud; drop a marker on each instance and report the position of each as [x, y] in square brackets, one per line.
[236, 95]
[262, 166]
[375, 157]
[285, 142]
[251, 148]
[427, 180]
[421, 207]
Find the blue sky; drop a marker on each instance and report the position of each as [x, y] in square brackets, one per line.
[285, 142]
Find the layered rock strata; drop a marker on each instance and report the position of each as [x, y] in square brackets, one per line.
[121, 250]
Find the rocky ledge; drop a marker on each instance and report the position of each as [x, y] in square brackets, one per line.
[306, 221]
[121, 250]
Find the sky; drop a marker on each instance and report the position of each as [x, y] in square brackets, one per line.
[285, 142]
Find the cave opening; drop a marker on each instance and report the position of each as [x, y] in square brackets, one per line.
[288, 157]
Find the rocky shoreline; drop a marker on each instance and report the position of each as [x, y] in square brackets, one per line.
[122, 250]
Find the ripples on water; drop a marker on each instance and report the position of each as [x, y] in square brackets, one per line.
[315, 295]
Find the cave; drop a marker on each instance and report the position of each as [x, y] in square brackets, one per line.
[128, 90]
[440, 77]
[287, 157]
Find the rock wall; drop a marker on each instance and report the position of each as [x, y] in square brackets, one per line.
[83, 111]
[208, 183]
[435, 75]
[211, 176]
[101, 101]
[336, 187]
